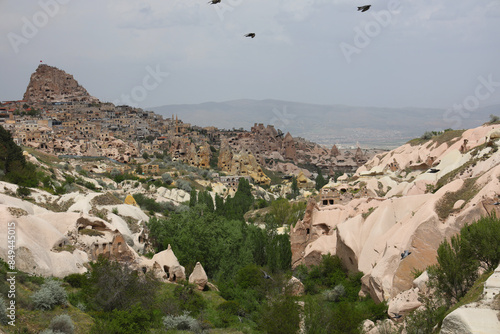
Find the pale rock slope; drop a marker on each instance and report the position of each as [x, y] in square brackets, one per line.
[479, 317]
[409, 199]
[75, 231]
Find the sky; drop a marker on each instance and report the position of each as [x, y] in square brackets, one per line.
[146, 53]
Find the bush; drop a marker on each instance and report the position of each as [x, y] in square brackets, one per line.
[184, 185]
[23, 191]
[51, 293]
[167, 178]
[76, 280]
[112, 285]
[482, 241]
[132, 321]
[63, 324]
[3, 312]
[182, 322]
[455, 271]
[334, 294]
[282, 315]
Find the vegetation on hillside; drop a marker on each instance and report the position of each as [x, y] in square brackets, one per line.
[456, 276]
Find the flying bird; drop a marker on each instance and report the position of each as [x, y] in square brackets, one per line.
[396, 315]
[250, 35]
[214, 2]
[364, 8]
[266, 276]
[405, 254]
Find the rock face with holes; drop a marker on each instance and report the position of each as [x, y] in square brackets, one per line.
[172, 269]
[409, 199]
[50, 84]
[242, 163]
[62, 243]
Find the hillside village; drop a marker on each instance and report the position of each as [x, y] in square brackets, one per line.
[112, 177]
[58, 116]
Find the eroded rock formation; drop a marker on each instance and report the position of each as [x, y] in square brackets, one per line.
[388, 208]
[50, 84]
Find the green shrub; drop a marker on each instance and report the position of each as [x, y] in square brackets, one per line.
[482, 241]
[62, 324]
[132, 321]
[334, 294]
[112, 285]
[91, 232]
[48, 331]
[182, 322]
[455, 272]
[50, 294]
[76, 280]
[184, 185]
[280, 315]
[23, 191]
[3, 312]
[189, 299]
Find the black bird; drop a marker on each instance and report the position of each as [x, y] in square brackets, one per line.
[496, 203]
[364, 8]
[405, 254]
[214, 2]
[250, 35]
[433, 170]
[280, 133]
[396, 316]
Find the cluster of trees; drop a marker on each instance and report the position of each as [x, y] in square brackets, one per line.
[218, 237]
[459, 261]
[332, 304]
[477, 245]
[13, 166]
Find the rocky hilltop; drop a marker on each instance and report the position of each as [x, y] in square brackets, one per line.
[407, 200]
[50, 84]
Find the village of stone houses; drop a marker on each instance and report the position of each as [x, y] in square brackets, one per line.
[127, 221]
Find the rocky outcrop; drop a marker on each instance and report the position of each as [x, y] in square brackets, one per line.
[295, 287]
[479, 317]
[387, 208]
[62, 243]
[198, 277]
[50, 84]
[243, 163]
[198, 158]
[172, 269]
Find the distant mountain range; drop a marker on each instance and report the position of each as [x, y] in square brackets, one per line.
[329, 124]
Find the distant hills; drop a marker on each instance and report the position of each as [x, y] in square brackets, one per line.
[329, 124]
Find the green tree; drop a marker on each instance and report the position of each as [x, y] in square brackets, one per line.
[456, 271]
[280, 315]
[295, 188]
[205, 198]
[481, 240]
[235, 207]
[112, 285]
[193, 198]
[13, 166]
[320, 180]
[219, 205]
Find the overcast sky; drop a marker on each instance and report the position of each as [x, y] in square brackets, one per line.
[418, 53]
